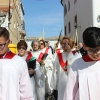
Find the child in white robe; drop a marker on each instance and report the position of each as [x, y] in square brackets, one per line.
[14, 76]
[84, 75]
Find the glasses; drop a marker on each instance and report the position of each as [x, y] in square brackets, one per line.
[22, 48]
[3, 45]
[94, 51]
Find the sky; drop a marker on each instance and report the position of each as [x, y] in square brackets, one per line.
[42, 15]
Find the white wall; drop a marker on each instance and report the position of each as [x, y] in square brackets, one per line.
[29, 45]
[86, 11]
[96, 12]
[52, 43]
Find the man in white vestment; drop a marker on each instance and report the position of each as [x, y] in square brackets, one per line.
[62, 63]
[14, 78]
[83, 82]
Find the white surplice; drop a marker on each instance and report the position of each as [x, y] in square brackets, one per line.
[31, 79]
[59, 76]
[39, 78]
[14, 80]
[47, 69]
[83, 80]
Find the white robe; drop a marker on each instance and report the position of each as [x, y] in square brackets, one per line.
[83, 81]
[31, 79]
[14, 80]
[59, 76]
[39, 79]
[47, 69]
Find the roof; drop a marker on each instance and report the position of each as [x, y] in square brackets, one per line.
[46, 39]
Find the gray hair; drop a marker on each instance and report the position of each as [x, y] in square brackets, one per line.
[34, 41]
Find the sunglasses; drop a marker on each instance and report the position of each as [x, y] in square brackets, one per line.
[41, 43]
[22, 48]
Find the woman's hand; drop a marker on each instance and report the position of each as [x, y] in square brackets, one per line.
[31, 71]
[42, 62]
[67, 48]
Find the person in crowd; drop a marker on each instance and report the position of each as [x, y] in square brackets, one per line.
[84, 74]
[14, 78]
[47, 44]
[26, 55]
[39, 76]
[35, 48]
[46, 60]
[81, 49]
[75, 49]
[62, 63]
[58, 47]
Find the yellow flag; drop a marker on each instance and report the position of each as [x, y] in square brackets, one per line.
[42, 35]
[40, 38]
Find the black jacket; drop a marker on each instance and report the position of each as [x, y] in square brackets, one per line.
[83, 52]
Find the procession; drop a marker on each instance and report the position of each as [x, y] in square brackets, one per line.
[58, 64]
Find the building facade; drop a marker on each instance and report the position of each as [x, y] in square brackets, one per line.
[80, 14]
[13, 19]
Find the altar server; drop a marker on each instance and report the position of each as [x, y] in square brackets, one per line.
[84, 74]
[14, 77]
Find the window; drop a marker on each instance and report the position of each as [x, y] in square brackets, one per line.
[75, 21]
[23, 25]
[75, 1]
[69, 28]
[65, 31]
[68, 5]
[65, 10]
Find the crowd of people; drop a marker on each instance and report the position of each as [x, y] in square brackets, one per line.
[68, 72]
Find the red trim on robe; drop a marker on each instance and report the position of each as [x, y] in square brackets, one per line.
[8, 55]
[41, 54]
[61, 62]
[57, 51]
[74, 52]
[29, 56]
[86, 58]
